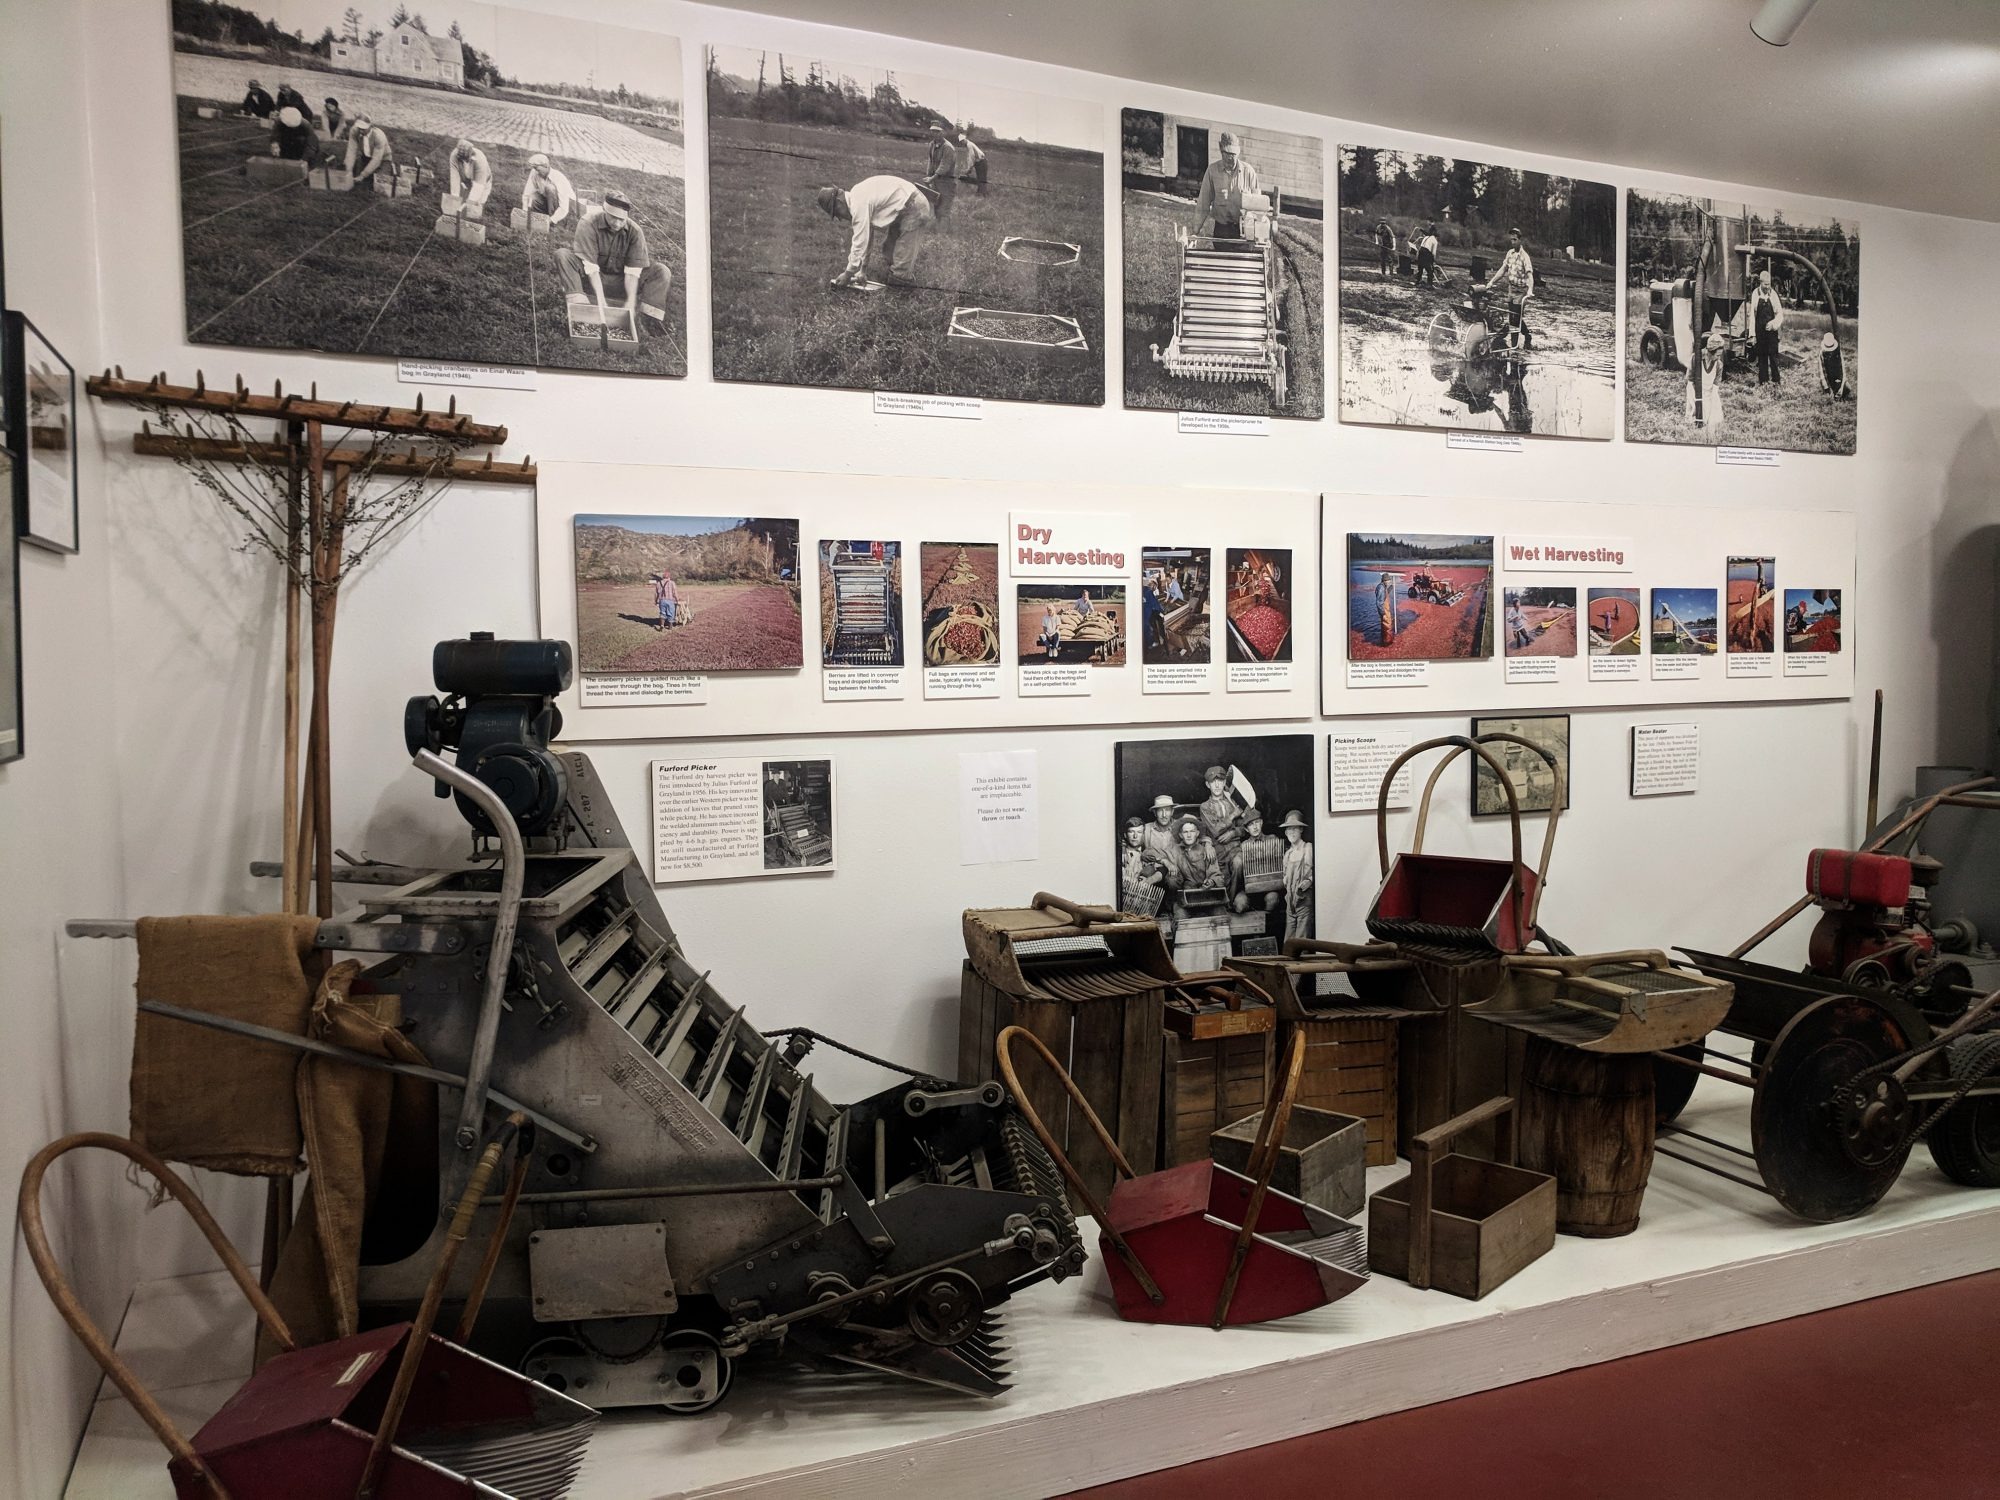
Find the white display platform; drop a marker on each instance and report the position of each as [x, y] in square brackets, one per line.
[1096, 1399]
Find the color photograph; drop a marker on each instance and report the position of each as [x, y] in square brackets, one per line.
[1066, 623]
[1476, 296]
[798, 814]
[1539, 621]
[1612, 617]
[1174, 598]
[891, 231]
[861, 604]
[486, 184]
[1214, 838]
[1742, 324]
[1534, 783]
[1225, 266]
[1418, 598]
[961, 604]
[1812, 620]
[1260, 604]
[687, 594]
[1684, 622]
[1753, 609]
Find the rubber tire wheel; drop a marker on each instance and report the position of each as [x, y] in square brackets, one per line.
[1653, 349]
[1965, 1144]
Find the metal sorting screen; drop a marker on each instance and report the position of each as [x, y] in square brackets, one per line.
[994, 325]
[1039, 252]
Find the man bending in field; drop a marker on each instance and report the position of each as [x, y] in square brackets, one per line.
[547, 190]
[291, 98]
[611, 247]
[896, 207]
[940, 176]
[295, 138]
[471, 177]
[257, 102]
[369, 145]
[971, 162]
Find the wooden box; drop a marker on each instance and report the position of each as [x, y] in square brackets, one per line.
[1457, 1223]
[1113, 1049]
[464, 231]
[1207, 1084]
[529, 219]
[1351, 1069]
[269, 171]
[1321, 1161]
[452, 204]
[614, 326]
[324, 179]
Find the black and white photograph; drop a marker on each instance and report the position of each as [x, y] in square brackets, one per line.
[798, 814]
[41, 402]
[1534, 783]
[11, 742]
[1225, 266]
[1476, 296]
[888, 230]
[861, 604]
[460, 182]
[1215, 838]
[1742, 324]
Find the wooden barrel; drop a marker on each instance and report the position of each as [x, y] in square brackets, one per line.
[1586, 1118]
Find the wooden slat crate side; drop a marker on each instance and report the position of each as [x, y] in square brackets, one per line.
[1141, 1079]
[1096, 1044]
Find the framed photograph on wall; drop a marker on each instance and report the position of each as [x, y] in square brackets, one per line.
[1534, 784]
[41, 418]
[10, 618]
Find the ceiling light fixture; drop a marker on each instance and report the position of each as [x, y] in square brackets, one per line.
[1779, 20]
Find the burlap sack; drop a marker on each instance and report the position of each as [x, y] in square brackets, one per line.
[352, 1117]
[199, 1095]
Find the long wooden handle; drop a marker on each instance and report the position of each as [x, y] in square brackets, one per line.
[1424, 1149]
[1263, 1163]
[1083, 916]
[420, 1330]
[1002, 1048]
[71, 1307]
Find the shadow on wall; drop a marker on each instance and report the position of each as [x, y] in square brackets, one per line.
[1965, 624]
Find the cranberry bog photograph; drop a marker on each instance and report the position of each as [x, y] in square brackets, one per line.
[735, 582]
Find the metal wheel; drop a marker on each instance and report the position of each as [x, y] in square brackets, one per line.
[1819, 1161]
[1673, 1085]
[945, 1308]
[1653, 349]
[1965, 1144]
[695, 1372]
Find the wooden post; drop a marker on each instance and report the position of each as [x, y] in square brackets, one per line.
[293, 882]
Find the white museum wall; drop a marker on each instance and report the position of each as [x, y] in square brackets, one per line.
[65, 1007]
[171, 662]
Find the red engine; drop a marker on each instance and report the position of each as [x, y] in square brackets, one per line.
[1872, 930]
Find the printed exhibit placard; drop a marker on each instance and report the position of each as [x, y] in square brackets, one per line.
[485, 377]
[1222, 424]
[737, 816]
[998, 807]
[642, 689]
[1259, 676]
[961, 682]
[1747, 458]
[1064, 679]
[1356, 761]
[1677, 668]
[1486, 442]
[904, 404]
[1808, 663]
[1177, 677]
[1530, 552]
[1067, 543]
[862, 684]
[1534, 669]
[1666, 759]
[1388, 674]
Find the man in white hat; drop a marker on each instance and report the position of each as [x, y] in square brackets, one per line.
[368, 145]
[941, 175]
[470, 177]
[1298, 876]
[1160, 839]
[257, 101]
[895, 206]
[547, 190]
[1218, 209]
[608, 256]
[292, 133]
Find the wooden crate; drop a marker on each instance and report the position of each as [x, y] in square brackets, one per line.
[1351, 1069]
[1112, 1048]
[1208, 1084]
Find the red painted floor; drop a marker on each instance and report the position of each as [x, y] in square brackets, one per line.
[1897, 1397]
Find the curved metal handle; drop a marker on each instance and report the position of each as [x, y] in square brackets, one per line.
[1001, 1047]
[500, 951]
[1263, 1164]
[71, 1307]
